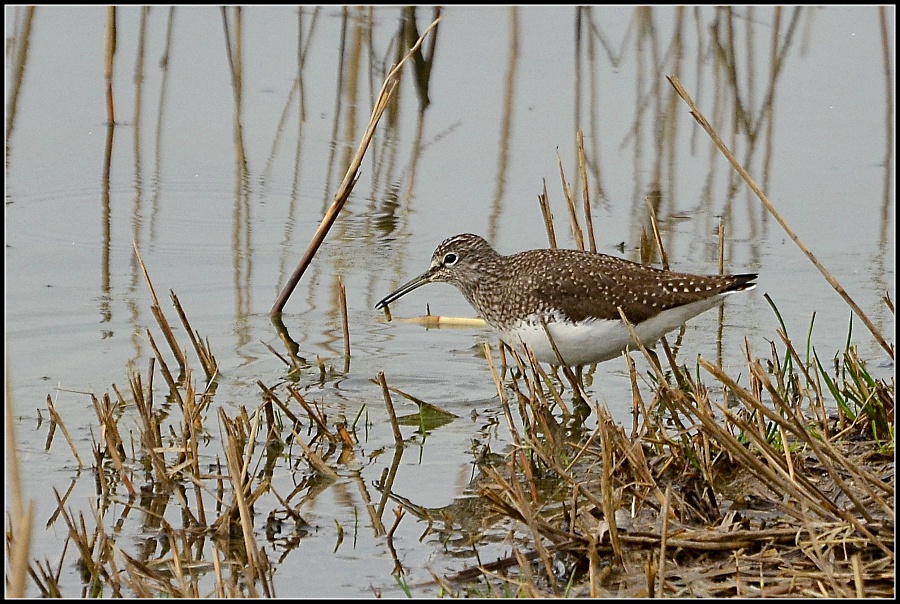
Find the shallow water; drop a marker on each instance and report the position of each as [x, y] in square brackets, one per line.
[508, 90]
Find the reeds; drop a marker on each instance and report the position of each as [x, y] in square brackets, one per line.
[778, 482]
[722, 489]
[744, 493]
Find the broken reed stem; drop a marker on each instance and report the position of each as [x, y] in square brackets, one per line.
[164, 368]
[237, 473]
[207, 360]
[663, 258]
[320, 422]
[113, 441]
[663, 538]
[518, 449]
[570, 204]
[284, 408]
[56, 420]
[395, 426]
[698, 115]
[792, 422]
[156, 309]
[606, 483]
[585, 191]
[313, 458]
[387, 88]
[801, 489]
[388, 475]
[544, 202]
[20, 515]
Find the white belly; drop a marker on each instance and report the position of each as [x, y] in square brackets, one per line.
[597, 340]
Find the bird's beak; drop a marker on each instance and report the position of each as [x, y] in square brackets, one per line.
[406, 288]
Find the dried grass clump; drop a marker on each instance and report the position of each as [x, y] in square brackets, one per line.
[753, 491]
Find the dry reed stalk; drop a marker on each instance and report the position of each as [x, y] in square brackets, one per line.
[83, 541]
[594, 571]
[17, 53]
[577, 233]
[395, 426]
[645, 250]
[664, 262]
[188, 464]
[535, 379]
[516, 503]
[441, 582]
[713, 541]
[585, 191]
[889, 75]
[321, 424]
[207, 360]
[164, 368]
[315, 461]
[161, 320]
[825, 452]
[57, 420]
[654, 363]
[388, 476]
[654, 225]
[663, 541]
[544, 202]
[271, 396]
[504, 402]
[239, 478]
[390, 83]
[698, 116]
[608, 505]
[18, 546]
[801, 488]
[109, 436]
[638, 408]
[149, 428]
[109, 54]
[48, 581]
[21, 515]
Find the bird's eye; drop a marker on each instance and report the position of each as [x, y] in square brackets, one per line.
[450, 259]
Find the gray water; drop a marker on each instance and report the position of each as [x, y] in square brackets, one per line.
[508, 90]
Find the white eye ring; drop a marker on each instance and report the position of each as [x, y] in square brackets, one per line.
[450, 259]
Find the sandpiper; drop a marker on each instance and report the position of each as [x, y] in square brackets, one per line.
[573, 294]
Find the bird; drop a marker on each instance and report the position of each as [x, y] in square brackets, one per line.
[575, 295]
